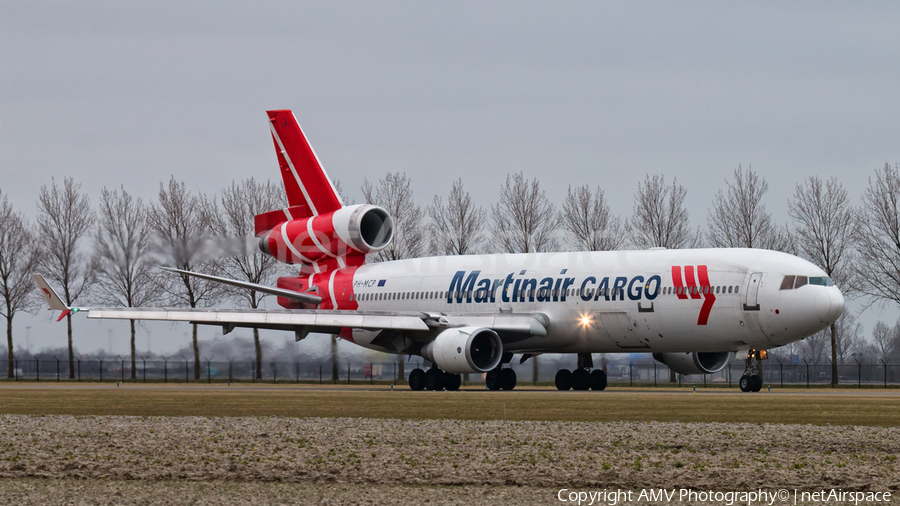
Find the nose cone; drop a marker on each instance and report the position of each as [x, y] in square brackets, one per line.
[837, 304]
[829, 304]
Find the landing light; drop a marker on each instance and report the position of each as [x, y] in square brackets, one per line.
[585, 320]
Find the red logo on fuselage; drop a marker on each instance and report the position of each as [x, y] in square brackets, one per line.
[695, 288]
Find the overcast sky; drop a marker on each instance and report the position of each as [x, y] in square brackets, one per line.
[123, 93]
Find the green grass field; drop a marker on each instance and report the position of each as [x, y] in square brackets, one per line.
[785, 406]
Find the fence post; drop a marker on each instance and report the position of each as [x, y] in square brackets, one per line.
[807, 372]
[123, 370]
[230, 369]
[253, 371]
[885, 372]
[101, 370]
[320, 374]
[395, 373]
[186, 371]
[144, 367]
[274, 373]
[781, 366]
[37, 368]
[859, 372]
[79, 369]
[208, 375]
[630, 374]
[16, 367]
[654, 374]
[729, 374]
[165, 370]
[348, 374]
[297, 371]
[371, 374]
[57, 369]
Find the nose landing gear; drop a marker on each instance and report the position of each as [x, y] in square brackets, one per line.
[751, 380]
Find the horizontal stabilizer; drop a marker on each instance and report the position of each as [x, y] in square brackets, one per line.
[271, 290]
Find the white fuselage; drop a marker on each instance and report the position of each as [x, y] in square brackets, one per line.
[618, 301]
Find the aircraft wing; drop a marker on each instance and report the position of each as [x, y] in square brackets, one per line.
[303, 321]
[328, 320]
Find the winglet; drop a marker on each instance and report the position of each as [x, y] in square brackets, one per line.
[53, 300]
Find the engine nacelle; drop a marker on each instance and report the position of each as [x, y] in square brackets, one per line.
[695, 362]
[361, 228]
[465, 350]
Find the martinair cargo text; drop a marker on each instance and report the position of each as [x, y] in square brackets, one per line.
[692, 309]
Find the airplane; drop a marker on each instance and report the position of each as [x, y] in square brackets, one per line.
[693, 309]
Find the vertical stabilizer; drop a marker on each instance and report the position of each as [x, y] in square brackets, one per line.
[305, 182]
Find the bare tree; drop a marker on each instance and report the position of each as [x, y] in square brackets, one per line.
[825, 235]
[458, 227]
[878, 269]
[181, 221]
[395, 195]
[124, 269]
[660, 217]
[589, 221]
[661, 220]
[18, 258]
[65, 217]
[240, 203]
[886, 341]
[813, 347]
[738, 218]
[851, 343]
[524, 219]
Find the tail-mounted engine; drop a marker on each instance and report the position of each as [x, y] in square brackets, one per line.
[465, 350]
[350, 230]
[694, 363]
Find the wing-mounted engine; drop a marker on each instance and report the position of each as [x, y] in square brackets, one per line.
[348, 233]
[694, 362]
[465, 350]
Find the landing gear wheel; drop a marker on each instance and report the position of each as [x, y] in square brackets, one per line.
[507, 379]
[751, 381]
[434, 379]
[598, 379]
[746, 383]
[563, 379]
[493, 380]
[417, 379]
[581, 379]
[452, 381]
[757, 382]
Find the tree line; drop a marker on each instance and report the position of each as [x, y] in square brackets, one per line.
[108, 255]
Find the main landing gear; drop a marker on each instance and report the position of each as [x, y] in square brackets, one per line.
[498, 378]
[434, 379]
[582, 378]
[751, 380]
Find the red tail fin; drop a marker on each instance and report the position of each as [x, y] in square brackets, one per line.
[305, 181]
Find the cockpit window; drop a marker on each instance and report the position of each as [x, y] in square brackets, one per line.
[787, 283]
[790, 282]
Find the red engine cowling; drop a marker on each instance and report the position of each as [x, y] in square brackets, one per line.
[361, 228]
